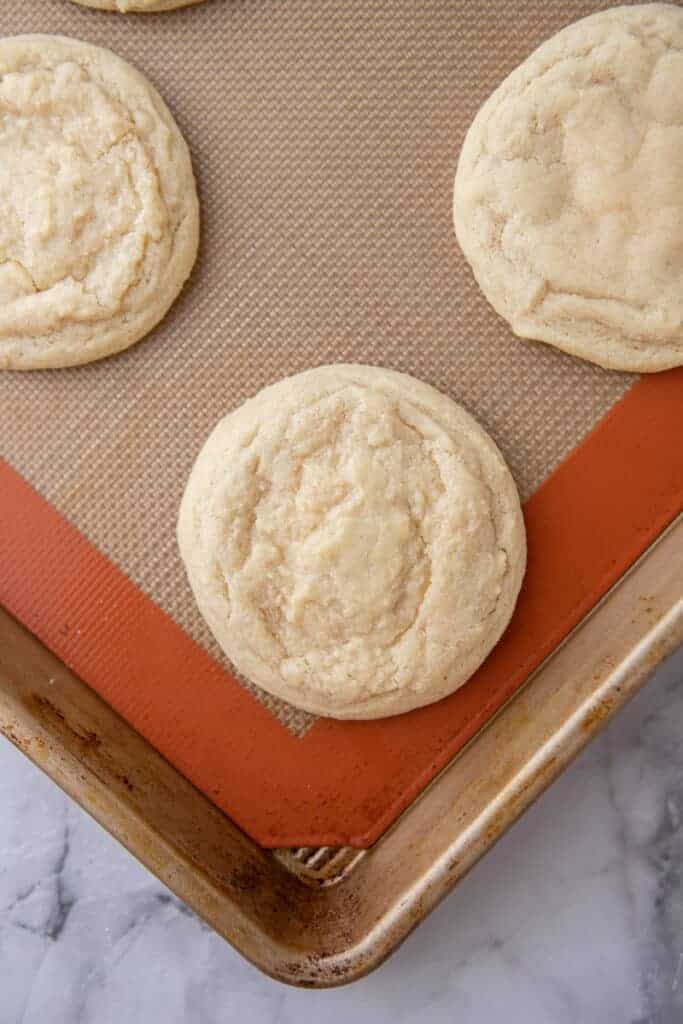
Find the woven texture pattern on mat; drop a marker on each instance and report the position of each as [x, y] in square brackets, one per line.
[324, 136]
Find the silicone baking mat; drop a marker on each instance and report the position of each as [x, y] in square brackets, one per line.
[324, 137]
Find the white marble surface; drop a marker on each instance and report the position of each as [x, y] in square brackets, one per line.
[576, 917]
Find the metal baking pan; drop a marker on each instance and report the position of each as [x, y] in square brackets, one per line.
[323, 918]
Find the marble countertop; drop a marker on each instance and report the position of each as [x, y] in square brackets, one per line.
[576, 916]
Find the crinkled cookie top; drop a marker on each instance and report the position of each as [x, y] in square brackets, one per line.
[354, 540]
[568, 198]
[98, 208]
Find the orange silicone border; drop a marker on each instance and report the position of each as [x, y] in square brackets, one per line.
[343, 782]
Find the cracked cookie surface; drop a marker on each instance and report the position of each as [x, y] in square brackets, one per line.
[568, 199]
[354, 540]
[98, 206]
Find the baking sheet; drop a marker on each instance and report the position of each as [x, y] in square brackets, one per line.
[324, 137]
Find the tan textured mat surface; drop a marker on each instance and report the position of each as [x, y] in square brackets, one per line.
[324, 136]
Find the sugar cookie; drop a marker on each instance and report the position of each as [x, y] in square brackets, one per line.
[354, 539]
[568, 198]
[99, 217]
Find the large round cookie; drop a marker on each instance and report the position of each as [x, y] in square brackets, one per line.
[568, 197]
[99, 217]
[139, 6]
[354, 540]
